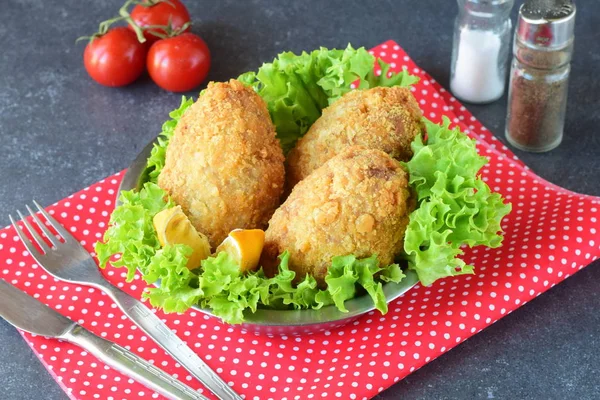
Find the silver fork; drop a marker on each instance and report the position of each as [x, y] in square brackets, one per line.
[70, 262]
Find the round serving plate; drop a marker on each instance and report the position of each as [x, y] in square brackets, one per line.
[284, 322]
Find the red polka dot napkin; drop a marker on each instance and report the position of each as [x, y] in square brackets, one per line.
[551, 234]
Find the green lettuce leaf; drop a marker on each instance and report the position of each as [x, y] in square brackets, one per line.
[179, 287]
[455, 207]
[341, 280]
[348, 272]
[387, 78]
[284, 294]
[296, 88]
[131, 235]
[392, 273]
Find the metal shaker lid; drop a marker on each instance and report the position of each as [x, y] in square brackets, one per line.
[546, 23]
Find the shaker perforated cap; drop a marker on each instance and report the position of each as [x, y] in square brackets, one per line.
[546, 23]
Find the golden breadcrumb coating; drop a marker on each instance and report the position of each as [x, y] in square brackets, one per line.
[356, 203]
[382, 118]
[224, 166]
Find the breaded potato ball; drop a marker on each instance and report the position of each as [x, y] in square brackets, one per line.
[357, 203]
[224, 165]
[382, 118]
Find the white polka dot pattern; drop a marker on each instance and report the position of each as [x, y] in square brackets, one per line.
[551, 234]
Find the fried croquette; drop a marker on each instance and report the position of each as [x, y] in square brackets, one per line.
[357, 203]
[224, 166]
[382, 118]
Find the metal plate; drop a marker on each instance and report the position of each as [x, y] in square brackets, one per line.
[284, 322]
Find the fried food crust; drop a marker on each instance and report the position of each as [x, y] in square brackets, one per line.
[356, 203]
[224, 165]
[383, 118]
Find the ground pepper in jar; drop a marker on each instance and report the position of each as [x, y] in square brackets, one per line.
[540, 69]
[537, 110]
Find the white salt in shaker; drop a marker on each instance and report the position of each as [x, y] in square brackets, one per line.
[482, 34]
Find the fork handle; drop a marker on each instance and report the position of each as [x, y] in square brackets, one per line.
[171, 343]
[131, 365]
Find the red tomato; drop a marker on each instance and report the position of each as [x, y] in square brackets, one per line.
[116, 58]
[160, 14]
[180, 63]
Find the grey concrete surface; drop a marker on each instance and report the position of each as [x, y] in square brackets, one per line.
[59, 132]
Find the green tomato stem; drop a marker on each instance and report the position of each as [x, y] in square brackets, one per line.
[124, 13]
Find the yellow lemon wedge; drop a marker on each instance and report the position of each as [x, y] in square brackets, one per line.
[173, 227]
[245, 246]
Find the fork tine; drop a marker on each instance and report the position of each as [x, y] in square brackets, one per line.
[55, 224]
[28, 244]
[49, 235]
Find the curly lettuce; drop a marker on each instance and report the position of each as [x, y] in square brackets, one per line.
[130, 239]
[131, 242]
[455, 207]
[297, 88]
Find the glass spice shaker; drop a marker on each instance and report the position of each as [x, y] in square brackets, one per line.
[537, 99]
[482, 33]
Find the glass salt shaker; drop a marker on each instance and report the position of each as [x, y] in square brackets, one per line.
[537, 98]
[482, 33]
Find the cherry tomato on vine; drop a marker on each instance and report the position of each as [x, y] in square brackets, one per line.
[179, 63]
[116, 58]
[160, 13]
